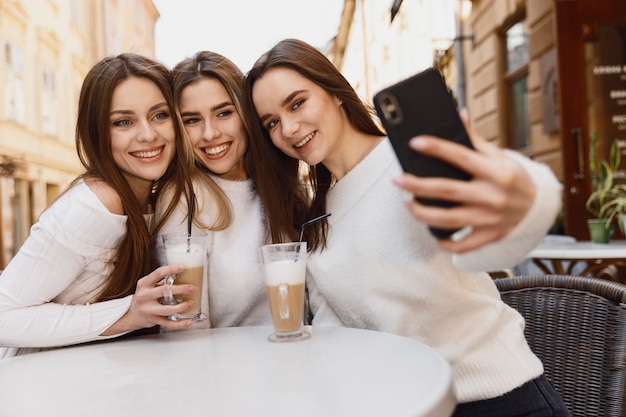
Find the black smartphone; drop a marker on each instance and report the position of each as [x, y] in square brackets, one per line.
[422, 104]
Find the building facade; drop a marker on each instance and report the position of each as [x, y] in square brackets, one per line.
[537, 76]
[46, 49]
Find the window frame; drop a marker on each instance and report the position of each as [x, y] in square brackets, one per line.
[509, 77]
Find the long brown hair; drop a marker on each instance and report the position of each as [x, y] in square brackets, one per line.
[133, 257]
[277, 173]
[208, 64]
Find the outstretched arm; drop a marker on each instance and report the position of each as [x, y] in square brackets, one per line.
[503, 190]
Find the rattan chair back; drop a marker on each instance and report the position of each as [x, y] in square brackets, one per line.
[577, 327]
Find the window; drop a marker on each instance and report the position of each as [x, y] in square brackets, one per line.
[48, 102]
[137, 15]
[516, 85]
[14, 95]
[77, 14]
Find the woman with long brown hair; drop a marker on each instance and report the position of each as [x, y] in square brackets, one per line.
[87, 270]
[208, 89]
[375, 265]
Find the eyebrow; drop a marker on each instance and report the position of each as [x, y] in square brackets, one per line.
[216, 107]
[123, 112]
[283, 103]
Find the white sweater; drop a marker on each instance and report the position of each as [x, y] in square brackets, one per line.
[383, 271]
[47, 291]
[235, 294]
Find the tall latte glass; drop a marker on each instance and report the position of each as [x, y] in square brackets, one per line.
[285, 271]
[190, 251]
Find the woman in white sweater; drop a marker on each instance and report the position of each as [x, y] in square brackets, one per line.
[78, 276]
[208, 89]
[375, 265]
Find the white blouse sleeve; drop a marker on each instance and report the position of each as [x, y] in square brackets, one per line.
[514, 247]
[48, 288]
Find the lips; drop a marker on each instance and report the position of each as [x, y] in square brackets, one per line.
[305, 140]
[216, 150]
[147, 154]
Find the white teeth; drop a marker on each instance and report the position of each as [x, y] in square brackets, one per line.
[305, 140]
[216, 150]
[149, 154]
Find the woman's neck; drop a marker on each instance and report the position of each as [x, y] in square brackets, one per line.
[352, 150]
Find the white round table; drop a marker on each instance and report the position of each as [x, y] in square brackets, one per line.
[600, 260]
[232, 372]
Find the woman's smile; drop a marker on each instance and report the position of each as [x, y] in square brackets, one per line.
[148, 154]
[215, 152]
[305, 140]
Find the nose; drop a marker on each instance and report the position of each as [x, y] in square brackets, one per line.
[146, 132]
[289, 126]
[210, 132]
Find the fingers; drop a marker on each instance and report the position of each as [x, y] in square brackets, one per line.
[156, 276]
[483, 161]
[474, 240]
[457, 217]
[476, 192]
[147, 307]
[165, 322]
[496, 198]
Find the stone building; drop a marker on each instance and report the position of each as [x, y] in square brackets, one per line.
[538, 76]
[47, 47]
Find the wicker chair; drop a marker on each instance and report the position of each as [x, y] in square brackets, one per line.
[577, 327]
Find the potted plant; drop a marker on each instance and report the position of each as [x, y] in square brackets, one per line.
[614, 208]
[602, 191]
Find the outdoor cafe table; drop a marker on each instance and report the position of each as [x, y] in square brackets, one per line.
[600, 260]
[232, 372]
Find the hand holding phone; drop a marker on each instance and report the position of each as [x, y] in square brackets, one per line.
[422, 105]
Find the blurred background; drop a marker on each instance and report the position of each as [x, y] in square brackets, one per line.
[537, 76]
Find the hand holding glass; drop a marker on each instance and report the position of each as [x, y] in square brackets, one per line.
[191, 252]
[285, 271]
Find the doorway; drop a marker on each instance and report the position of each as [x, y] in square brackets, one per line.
[591, 55]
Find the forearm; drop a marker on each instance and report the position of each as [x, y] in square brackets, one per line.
[512, 249]
[53, 324]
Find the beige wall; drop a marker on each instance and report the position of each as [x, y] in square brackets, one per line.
[484, 71]
[63, 39]
[379, 52]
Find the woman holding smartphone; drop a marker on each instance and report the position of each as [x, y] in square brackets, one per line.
[374, 264]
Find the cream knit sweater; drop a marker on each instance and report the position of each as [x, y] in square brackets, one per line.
[48, 288]
[383, 271]
[234, 285]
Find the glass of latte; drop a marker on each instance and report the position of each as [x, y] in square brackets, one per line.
[285, 271]
[190, 251]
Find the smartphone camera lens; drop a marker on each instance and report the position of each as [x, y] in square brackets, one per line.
[390, 109]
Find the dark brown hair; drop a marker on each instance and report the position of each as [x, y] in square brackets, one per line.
[133, 257]
[279, 182]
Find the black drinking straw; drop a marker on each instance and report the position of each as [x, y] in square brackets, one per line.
[190, 220]
[310, 222]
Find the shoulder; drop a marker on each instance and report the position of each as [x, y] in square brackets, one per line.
[106, 194]
[79, 219]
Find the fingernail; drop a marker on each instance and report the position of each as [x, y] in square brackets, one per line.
[417, 143]
[462, 233]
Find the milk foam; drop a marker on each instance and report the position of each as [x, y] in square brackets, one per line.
[179, 254]
[285, 272]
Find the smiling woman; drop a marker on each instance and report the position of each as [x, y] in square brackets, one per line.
[142, 134]
[78, 276]
[374, 263]
[208, 88]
